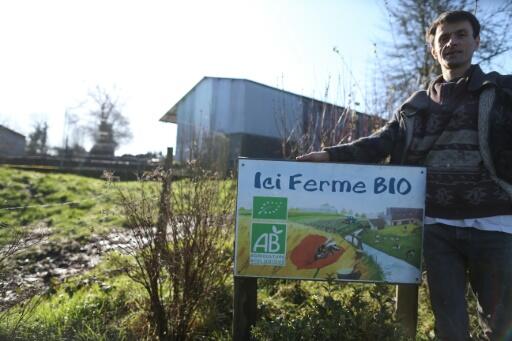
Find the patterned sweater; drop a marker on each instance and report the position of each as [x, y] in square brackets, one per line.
[445, 139]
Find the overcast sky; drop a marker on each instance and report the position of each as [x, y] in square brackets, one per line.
[150, 53]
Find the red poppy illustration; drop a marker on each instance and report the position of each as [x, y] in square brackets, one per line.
[315, 252]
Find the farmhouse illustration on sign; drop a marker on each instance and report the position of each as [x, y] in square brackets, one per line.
[313, 221]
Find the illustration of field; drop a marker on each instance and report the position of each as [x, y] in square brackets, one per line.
[316, 249]
[398, 241]
[341, 245]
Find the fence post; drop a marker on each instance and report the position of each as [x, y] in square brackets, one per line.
[168, 159]
[244, 307]
[407, 308]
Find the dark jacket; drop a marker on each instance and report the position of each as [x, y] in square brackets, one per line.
[494, 129]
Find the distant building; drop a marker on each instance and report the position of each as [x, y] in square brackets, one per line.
[11, 143]
[377, 223]
[399, 215]
[251, 118]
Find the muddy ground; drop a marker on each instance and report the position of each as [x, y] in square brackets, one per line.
[49, 263]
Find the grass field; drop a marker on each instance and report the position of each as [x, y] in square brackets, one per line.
[401, 241]
[74, 207]
[103, 304]
[300, 226]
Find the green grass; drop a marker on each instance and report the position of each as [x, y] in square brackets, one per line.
[244, 211]
[109, 305]
[104, 304]
[326, 221]
[87, 307]
[408, 237]
[298, 214]
[72, 206]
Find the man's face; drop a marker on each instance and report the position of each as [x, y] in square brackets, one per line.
[454, 45]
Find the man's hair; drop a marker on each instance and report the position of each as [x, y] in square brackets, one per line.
[451, 17]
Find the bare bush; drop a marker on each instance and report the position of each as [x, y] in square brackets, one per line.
[14, 241]
[210, 150]
[181, 246]
[322, 125]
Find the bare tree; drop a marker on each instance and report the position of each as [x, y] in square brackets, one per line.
[73, 135]
[288, 131]
[409, 65]
[107, 126]
[38, 140]
[209, 150]
[322, 124]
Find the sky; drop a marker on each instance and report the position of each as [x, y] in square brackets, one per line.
[148, 54]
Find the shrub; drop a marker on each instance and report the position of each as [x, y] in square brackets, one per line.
[354, 312]
[180, 253]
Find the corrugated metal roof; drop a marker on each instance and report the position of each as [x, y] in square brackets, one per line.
[171, 115]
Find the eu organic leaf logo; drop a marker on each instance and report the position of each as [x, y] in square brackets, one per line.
[270, 208]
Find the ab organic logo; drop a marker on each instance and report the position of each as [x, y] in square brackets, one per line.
[268, 239]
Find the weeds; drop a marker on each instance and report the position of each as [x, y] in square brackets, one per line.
[82, 309]
[16, 240]
[181, 253]
[334, 312]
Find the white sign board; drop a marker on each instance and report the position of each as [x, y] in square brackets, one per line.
[349, 222]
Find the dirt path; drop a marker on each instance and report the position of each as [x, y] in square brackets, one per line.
[50, 262]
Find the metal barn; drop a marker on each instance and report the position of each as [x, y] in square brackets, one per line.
[11, 143]
[252, 119]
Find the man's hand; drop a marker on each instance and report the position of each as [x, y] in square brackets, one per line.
[314, 157]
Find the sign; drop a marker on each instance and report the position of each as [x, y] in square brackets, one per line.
[268, 244]
[305, 220]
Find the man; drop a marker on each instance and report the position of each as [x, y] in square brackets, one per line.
[461, 130]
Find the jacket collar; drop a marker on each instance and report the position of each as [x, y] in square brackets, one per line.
[479, 79]
[415, 103]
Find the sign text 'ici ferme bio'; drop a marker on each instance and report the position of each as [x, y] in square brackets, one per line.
[349, 222]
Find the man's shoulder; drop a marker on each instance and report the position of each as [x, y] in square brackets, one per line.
[499, 79]
[505, 81]
[417, 101]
